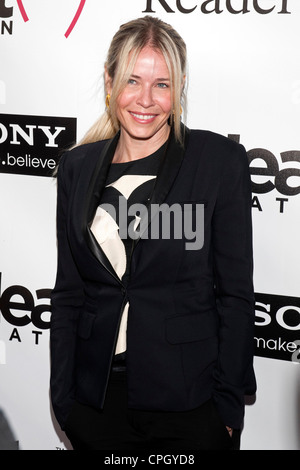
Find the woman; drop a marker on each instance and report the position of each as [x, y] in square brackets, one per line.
[152, 310]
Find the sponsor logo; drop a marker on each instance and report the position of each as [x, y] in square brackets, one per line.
[6, 26]
[31, 145]
[269, 173]
[6, 23]
[235, 7]
[19, 307]
[277, 327]
[5, 11]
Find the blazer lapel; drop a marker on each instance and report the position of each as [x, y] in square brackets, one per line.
[93, 196]
[98, 179]
[167, 173]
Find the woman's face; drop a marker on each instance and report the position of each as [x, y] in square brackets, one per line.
[144, 106]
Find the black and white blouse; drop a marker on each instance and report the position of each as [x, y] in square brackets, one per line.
[116, 221]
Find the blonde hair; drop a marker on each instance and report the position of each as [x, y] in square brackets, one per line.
[126, 44]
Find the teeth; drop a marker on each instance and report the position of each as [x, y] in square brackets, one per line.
[143, 116]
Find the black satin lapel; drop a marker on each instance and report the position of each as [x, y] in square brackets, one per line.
[93, 196]
[99, 254]
[167, 173]
[98, 179]
[169, 168]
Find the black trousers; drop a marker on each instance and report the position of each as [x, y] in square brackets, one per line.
[120, 428]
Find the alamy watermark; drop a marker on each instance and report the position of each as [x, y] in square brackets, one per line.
[176, 221]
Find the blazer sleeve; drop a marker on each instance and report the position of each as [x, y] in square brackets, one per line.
[66, 303]
[233, 265]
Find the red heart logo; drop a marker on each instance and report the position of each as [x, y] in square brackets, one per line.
[73, 22]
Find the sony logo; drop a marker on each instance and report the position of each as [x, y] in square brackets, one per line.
[15, 131]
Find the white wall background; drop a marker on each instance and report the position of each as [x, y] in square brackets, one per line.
[244, 78]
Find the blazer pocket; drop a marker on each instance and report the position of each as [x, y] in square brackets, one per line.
[192, 327]
[85, 325]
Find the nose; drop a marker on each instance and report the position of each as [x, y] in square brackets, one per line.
[145, 98]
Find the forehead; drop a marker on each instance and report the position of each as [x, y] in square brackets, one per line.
[151, 61]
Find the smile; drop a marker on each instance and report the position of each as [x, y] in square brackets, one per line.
[143, 117]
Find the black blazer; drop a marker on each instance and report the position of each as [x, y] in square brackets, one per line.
[190, 323]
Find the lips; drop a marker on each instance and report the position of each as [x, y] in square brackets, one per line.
[143, 117]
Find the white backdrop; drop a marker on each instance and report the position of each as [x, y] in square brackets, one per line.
[244, 79]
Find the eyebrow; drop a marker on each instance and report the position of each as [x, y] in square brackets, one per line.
[157, 79]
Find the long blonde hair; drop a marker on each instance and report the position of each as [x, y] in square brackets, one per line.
[125, 46]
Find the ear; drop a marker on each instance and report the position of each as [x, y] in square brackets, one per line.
[107, 81]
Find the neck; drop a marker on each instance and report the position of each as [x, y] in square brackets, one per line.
[130, 148]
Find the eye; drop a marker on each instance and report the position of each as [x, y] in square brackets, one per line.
[162, 85]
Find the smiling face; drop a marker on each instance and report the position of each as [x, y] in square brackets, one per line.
[145, 104]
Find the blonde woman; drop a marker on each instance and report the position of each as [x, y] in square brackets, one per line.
[153, 306]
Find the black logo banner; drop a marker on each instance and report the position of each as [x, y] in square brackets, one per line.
[31, 145]
[277, 327]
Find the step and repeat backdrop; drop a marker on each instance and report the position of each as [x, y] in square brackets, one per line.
[243, 82]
